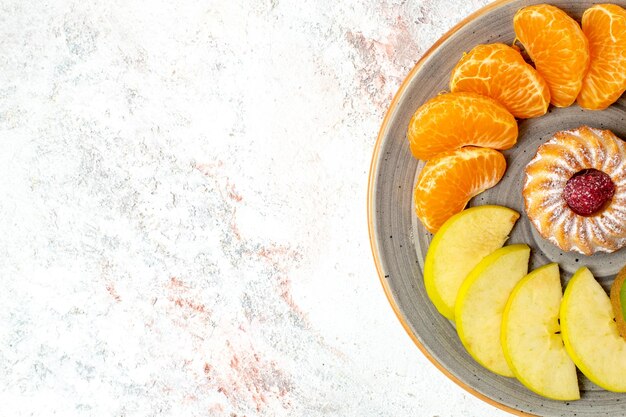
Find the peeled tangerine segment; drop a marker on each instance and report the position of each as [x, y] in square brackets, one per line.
[605, 28]
[467, 237]
[531, 338]
[500, 72]
[590, 334]
[451, 121]
[449, 181]
[481, 301]
[558, 47]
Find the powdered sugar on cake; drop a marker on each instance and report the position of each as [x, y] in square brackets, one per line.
[556, 162]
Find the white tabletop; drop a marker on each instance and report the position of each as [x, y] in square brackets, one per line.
[183, 209]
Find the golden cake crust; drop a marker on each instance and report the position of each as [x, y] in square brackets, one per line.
[555, 162]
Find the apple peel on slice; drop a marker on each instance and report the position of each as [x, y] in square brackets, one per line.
[461, 243]
[531, 338]
[618, 301]
[481, 301]
[590, 333]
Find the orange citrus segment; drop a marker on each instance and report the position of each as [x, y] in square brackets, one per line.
[450, 121]
[499, 71]
[605, 28]
[449, 181]
[556, 44]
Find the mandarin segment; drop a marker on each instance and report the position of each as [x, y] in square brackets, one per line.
[500, 72]
[449, 181]
[451, 121]
[604, 25]
[558, 47]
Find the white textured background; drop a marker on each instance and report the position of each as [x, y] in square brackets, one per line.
[183, 218]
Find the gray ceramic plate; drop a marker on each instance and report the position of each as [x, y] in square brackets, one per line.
[399, 242]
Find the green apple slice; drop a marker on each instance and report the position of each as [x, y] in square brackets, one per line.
[590, 333]
[458, 246]
[531, 338]
[481, 301]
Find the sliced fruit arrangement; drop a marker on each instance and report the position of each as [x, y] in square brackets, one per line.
[466, 238]
[451, 121]
[558, 47]
[571, 63]
[512, 322]
[590, 334]
[500, 72]
[531, 339]
[604, 25]
[618, 301]
[448, 181]
[481, 301]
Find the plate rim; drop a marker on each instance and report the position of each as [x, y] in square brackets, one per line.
[371, 207]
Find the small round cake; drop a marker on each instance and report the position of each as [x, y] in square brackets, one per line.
[575, 190]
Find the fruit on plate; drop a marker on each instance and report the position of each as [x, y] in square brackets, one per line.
[618, 301]
[500, 72]
[463, 241]
[449, 181]
[605, 28]
[481, 301]
[558, 47]
[531, 338]
[451, 121]
[590, 334]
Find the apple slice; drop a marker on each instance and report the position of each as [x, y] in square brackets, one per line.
[531, 338]
[590, 333]
[462, 241]
[618, 301]
[481, 301]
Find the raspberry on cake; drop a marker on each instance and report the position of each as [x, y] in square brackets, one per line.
[588, 191]
[575, 190]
